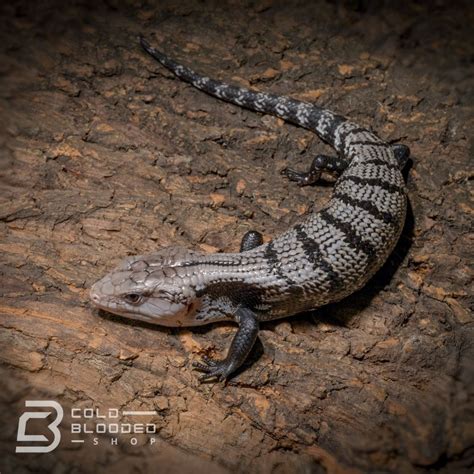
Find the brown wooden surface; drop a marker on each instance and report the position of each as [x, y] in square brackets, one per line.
[105, 154]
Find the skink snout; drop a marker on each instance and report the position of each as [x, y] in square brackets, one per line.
[94, 295]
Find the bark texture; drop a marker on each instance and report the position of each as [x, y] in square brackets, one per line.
[105, 154]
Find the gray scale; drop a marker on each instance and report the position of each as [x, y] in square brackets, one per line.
[384, 200]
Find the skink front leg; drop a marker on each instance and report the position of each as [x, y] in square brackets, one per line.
[250, 240]
[239, 349]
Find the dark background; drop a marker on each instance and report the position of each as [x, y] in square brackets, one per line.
[105, 154]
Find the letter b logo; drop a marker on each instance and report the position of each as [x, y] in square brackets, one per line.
[53, 427]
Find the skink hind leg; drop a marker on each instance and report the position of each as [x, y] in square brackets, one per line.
[239, 349]
[250, 240]
[330, 164]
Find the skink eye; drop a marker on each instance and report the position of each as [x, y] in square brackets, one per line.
[133, 298]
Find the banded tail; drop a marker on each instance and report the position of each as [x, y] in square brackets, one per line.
[328, 126]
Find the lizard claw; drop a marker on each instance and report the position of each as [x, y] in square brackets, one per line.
[213, 369]
[209, 362]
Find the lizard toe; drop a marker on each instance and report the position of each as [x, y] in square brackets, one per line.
[219, 370]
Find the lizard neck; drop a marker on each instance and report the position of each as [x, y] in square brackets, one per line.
[225, 268]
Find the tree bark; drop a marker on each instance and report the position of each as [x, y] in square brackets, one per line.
[105, 154]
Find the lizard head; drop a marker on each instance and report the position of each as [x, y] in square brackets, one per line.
[157, 288]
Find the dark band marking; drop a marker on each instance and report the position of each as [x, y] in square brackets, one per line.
[331, 132]
[391, 188]
[351, 236]
[271, 255]
[235, 262]
[380, 162]
[371, 208]
[344, 135]
[371, 143]
[313, 254]
[237, 292]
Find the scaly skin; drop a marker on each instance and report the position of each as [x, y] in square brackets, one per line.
[327, 256]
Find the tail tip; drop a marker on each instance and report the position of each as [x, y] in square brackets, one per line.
[143, 42]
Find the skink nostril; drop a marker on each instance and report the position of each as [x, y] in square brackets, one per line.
[94, 297]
